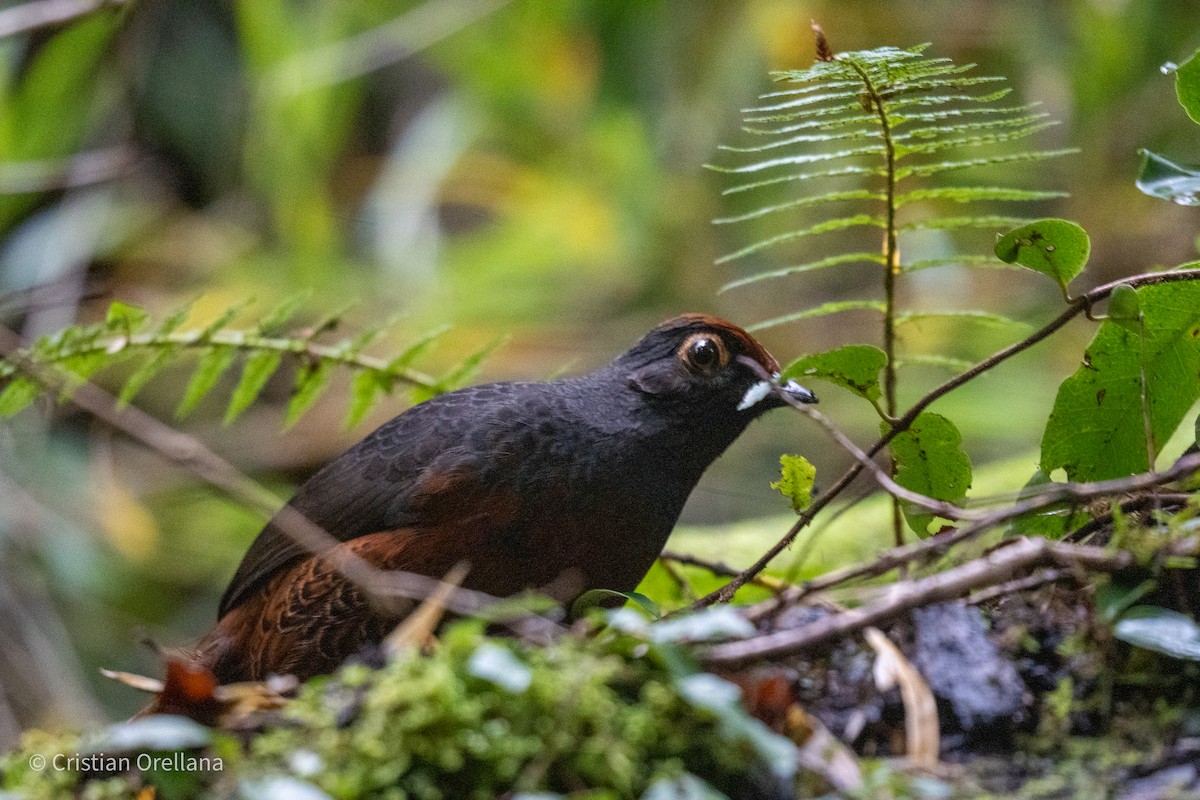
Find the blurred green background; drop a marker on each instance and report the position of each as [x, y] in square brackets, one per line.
[512, 167]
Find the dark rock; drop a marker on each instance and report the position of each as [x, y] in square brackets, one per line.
[964, 669]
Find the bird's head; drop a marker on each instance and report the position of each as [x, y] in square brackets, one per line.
[706, 364]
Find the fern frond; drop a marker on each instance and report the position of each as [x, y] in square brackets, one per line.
[975, 316]
[903, 111]
[859, 220]
[970, 194]
[823, 310]
[986, 261]
[824, 263]
[928, 170]
[841, 172]
[79, 352]
[828, 197]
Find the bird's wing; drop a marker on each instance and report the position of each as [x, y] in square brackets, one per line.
[417, 468]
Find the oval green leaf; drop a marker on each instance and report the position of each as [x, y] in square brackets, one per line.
[1055, 247]
[1097, 428]
[1187, 86]
[930, 460]
[855, 367]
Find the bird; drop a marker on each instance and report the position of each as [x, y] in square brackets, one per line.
[558, 486]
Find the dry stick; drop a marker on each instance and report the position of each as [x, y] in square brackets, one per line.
[1023, 553]
[1078, 305]
[189, 453]
[1019, 585]
[718, 568]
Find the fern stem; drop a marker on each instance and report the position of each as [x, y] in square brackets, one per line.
[249, 342]
[891, 269]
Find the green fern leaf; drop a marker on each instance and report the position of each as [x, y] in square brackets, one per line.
[989, 262]
[367, 389]
[19, 393]
[283, 313]
[975, 316]
[215, 362]
[462, 373]
[824, 263]
[144, 373]
[857, 220]
[125, 318]
[949, 223]
[972, 194]
[800, 176]
[835, 307]
[312, 379]
[828, 197]
[257, 371]
[415, 350]
[927, 170]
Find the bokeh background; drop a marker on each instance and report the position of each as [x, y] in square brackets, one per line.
[516, 167]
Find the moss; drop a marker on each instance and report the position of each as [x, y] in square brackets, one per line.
[477, 719]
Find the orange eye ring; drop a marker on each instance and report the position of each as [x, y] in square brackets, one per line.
[704, 352]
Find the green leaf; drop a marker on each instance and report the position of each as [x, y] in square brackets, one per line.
[20, 392]
[822, 310]
[858, 220]
[258, 370]
[971, 194]
[609, 598]
[824, 263]
[462, 373]
[929, 460]
[855, 367]
[1114, 598]
[1053, 522]
[1167, 180]
[415, 350]
[1161, 630]
[124, 317]
[796, 478]
[828, 197]
[365, 391]
[975, 316]
[213, 364]
[143, 374]
[1096, 429]
[287, 308]
[1057, 248]
[312, 380]
[1187, 86]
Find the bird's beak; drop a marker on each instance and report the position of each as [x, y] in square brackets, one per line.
[796, 392]
[783, 393]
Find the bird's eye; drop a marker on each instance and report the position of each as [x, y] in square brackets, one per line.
[704, 353]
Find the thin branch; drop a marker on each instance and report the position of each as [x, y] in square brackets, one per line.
[995, 568]
[1033, 581]
[720, 569]
[40, 14]
[1078, 306]
[940, 543]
